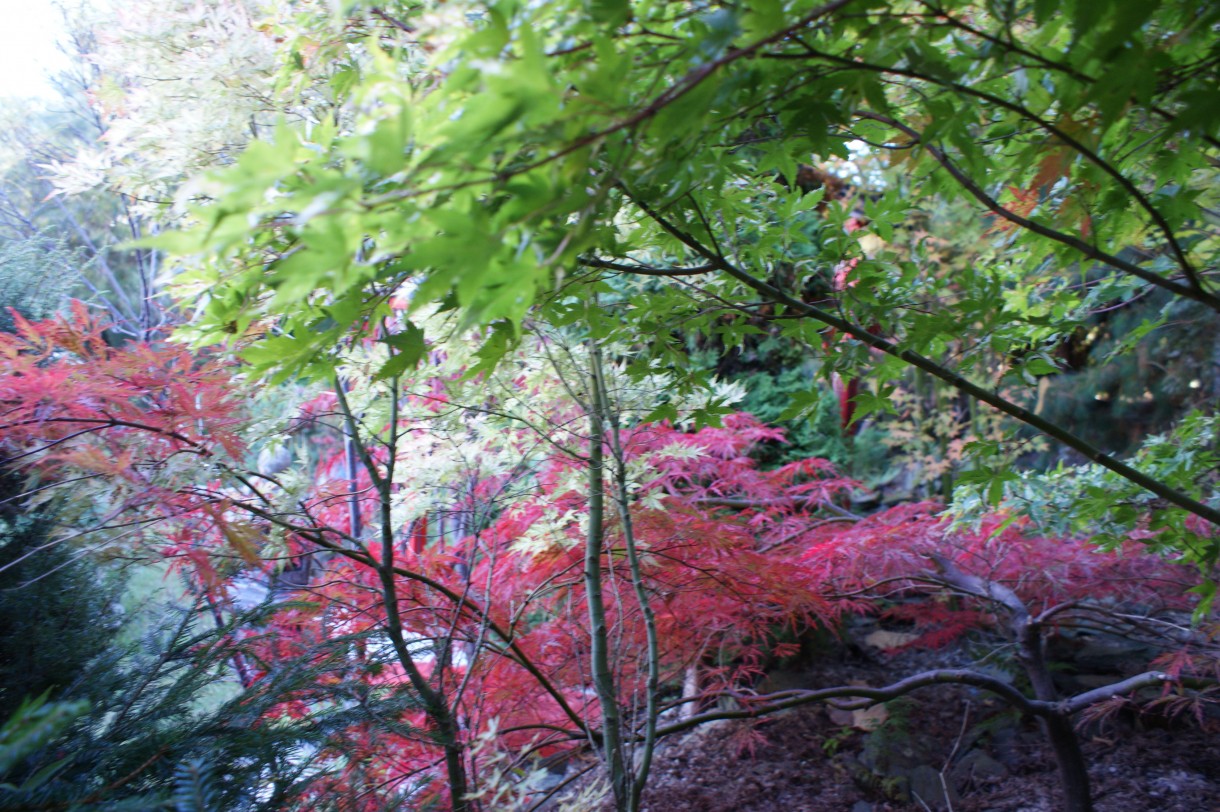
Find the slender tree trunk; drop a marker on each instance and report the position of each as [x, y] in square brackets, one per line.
[690, 690]
[638, 767]
[1073, 770]
[351, 462]
[599, 655]
[447, 730]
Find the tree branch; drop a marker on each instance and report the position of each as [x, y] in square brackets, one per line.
[1194, 292]
[958, 382]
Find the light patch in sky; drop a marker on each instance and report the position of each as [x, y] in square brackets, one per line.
[28, 54]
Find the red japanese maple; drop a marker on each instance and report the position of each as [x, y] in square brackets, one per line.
[483, 625]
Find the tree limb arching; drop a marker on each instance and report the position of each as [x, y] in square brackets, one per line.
[967, 387]
[1194, 292]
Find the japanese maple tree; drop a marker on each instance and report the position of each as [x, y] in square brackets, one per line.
[513, 558]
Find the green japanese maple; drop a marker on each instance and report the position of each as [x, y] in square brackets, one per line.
[687, 161]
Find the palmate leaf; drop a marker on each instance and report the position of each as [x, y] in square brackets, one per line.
[409, 348]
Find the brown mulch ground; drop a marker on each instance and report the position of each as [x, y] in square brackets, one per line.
[805, 761]
[1140, 771]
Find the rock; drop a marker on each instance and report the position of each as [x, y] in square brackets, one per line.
[1106, 653]
[976, 767]
[783, 680]
[1007, 746]
[887, 757]
[869, 718]
[926, 785]
[839, 716]
[862, 806]
[862, 719]
[887, 640]
[1088, 682]
[861, 775]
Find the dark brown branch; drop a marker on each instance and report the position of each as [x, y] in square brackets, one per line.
[108, 422]
[747, 504]
[670, 95]
[1090, 251]
[864, 697]
[958, 382]
[976, 586]
[1079, 702]
[861, 697]
[1065, 138]
[1050, 64]
[377, 11]
[644, 270]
